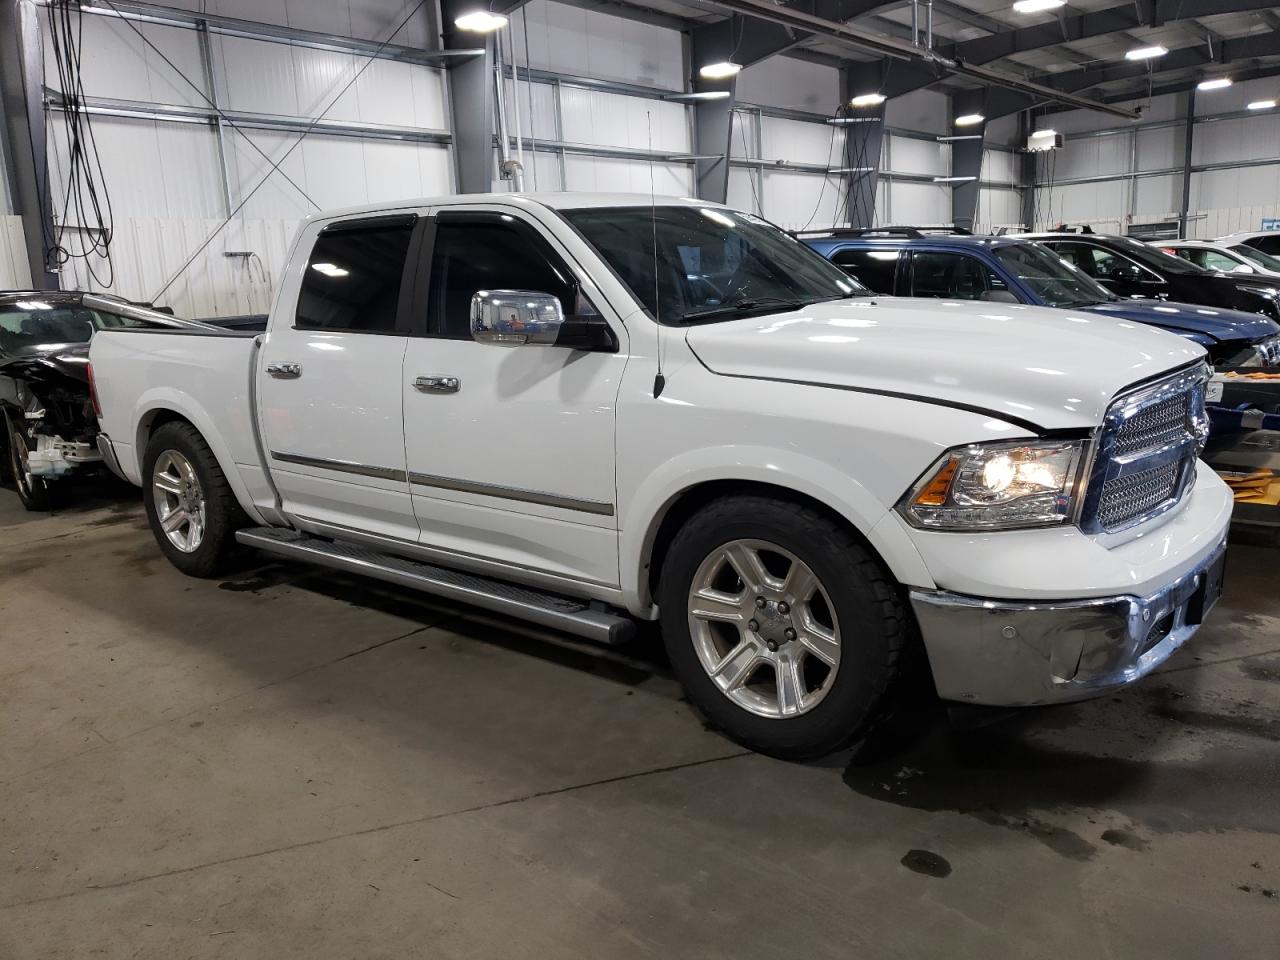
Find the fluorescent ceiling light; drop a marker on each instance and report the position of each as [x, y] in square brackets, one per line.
[720, 71]
[1036, 6]
[970, 120]
[1045, 133]
[867, 100]
[1262, 105]
[953, 179]
[1217, 83]
[702, 95]
[480, 21]
[1146, 53]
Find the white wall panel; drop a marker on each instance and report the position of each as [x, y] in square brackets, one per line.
[998, 207]
[743, 138]
[790, 83]
[115, 63]
[1161, 148]
[926, 111]
[627, 176]
[926, 157]
[537, 108]
[799, 141]
[1251, 138]
[1092, 156]
[798, 201]
[615, 120]
[999, 166]
[591, 43]
[14, 274]
[915, 203]
[363, 19]
[1157, 198]
[1103, 205]
[743, 191]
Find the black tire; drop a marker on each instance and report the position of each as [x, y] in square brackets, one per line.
[32, 491]
[218, 551]
[876, 629]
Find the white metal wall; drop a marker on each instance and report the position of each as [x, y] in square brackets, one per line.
[1222, 200]
[14, 274]
[165, 178]
[364, 19]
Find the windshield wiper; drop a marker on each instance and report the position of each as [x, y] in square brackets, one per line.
[740, 307]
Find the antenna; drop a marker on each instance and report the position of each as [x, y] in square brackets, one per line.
[659, 381]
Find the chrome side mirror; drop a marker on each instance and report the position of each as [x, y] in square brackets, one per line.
[512, 318]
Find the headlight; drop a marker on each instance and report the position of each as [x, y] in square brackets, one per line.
[998, 486]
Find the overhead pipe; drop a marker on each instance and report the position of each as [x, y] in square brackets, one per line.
[864, 40]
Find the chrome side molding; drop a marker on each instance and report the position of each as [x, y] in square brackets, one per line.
[598, 507]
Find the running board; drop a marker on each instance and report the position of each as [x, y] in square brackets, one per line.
[534, 606]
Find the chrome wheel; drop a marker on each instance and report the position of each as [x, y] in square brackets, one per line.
[764, 628]
[179, 501]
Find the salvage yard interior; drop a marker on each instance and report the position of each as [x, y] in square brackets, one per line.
[639, 478]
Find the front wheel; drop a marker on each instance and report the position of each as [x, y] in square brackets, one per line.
[190, 507]
[784, 630]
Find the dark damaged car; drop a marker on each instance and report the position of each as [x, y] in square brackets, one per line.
[49, 427]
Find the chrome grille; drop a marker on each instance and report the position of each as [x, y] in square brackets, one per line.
[1125, 498]
[1158, 425]
[1146, 455]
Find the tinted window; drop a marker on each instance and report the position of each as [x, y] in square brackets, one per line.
[1265, 261]
[490, 254]
[1054, 280]
[353, 279]
[953, 276]
[874, 269]
[681, 262]
[1269, 244]
[33, 326]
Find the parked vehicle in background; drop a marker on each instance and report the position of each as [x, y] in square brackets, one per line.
[50, 429]
[1131, 268]
[1268, 241]
[1212, 255]
[584, 409]
[954, 265]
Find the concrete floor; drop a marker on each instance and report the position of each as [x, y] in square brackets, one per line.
[293, 764]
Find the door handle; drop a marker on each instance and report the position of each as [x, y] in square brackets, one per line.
[437, 384]
[284, 370]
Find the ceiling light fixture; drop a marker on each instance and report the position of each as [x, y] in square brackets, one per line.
[970, 120]
[1037, 6]
[1217, 83]
[1146, 53]
[701, 95]
[1262, 105]
[867, 100]
[720, 71]
[480, 21]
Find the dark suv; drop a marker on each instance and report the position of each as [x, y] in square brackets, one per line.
[1131, 268]
[951, 264]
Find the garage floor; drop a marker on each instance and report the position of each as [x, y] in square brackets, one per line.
[293, 764]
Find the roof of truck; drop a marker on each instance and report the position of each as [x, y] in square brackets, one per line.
[554, 200]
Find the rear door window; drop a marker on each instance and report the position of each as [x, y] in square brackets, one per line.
[875, 269]
[952, 276]
[353, 277]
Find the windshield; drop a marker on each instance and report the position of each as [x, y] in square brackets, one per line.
[31, 327]
[1157, 259]
[1052, 279]
[709, 263]
[1264, 260]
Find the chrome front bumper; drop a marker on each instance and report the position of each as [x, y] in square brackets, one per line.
[1022, 653]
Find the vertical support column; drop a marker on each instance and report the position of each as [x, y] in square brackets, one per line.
[471, 99]
[1027, 171]
[966, 160]
[219, 128]
[1184, 211]
[863, 140]
[24, 129]
[712, 118]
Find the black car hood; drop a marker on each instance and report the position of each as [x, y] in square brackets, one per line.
[68, 360]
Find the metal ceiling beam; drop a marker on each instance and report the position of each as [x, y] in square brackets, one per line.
[859, 39]
[747, 40]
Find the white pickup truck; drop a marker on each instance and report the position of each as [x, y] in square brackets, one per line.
[590, 409]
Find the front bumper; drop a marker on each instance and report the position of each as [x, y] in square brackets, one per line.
[1023, 653]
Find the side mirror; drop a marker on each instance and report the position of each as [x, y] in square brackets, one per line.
[999, 296]
[512, 318]
[1243, 268]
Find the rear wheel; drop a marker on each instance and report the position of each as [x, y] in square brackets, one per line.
[190, 507]
[32, 491]
[783, 629]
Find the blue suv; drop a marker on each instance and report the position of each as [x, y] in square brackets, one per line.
[952, 264]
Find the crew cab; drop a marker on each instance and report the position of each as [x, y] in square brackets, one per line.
[586, 410]
[951, 264]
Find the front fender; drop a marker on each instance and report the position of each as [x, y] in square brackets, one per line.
[655, 495]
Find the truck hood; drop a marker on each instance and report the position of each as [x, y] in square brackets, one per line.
[1031, 366]
[1208, 323]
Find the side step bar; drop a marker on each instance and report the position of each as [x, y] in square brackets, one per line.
[544, 609]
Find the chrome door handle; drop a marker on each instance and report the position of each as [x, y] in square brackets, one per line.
[284, 370]
[437, 384]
